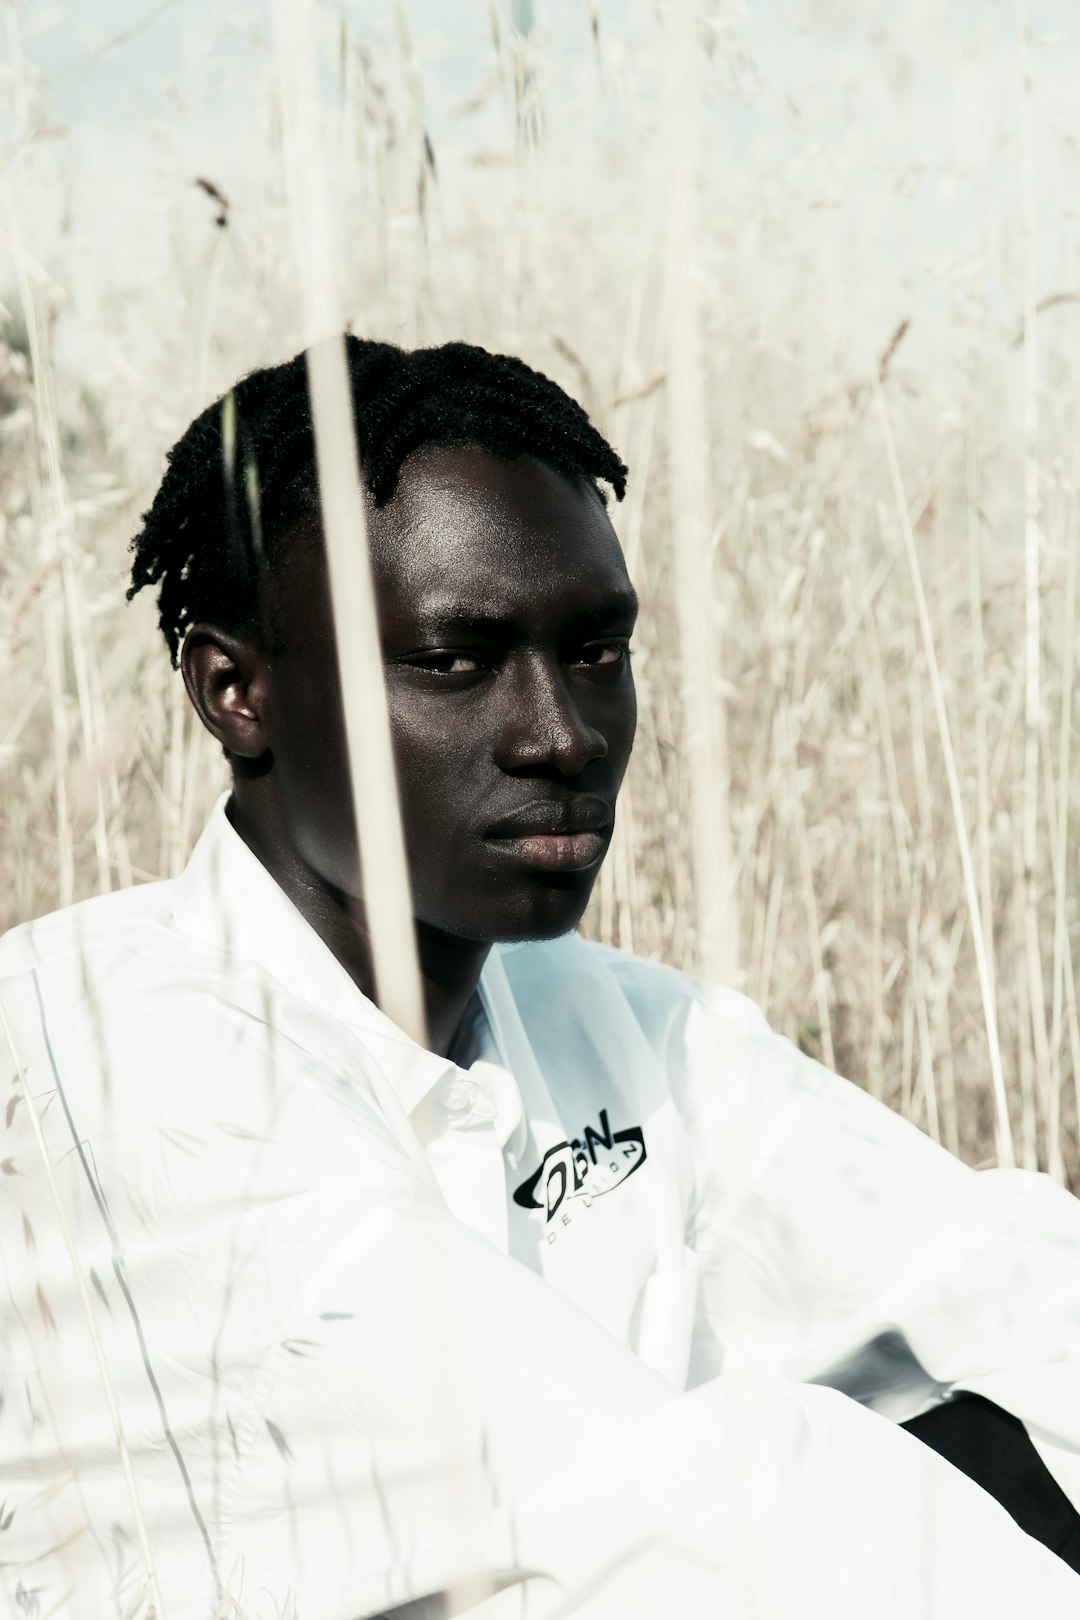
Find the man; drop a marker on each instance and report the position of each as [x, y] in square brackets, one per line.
[609, 1302]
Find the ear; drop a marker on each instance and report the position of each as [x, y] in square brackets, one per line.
[229, 684]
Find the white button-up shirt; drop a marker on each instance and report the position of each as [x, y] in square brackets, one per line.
[612, 1311]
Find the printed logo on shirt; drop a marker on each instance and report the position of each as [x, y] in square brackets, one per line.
[584, 1168]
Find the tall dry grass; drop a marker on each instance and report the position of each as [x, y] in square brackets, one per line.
[854, 791]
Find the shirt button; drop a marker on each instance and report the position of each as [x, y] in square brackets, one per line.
[469, 1102]
[458, 1096]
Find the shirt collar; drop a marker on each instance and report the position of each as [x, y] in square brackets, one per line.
[226, 898]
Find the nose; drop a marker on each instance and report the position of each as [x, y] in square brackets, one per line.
[544, 728]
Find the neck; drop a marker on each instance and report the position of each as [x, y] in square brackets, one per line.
[449, 967]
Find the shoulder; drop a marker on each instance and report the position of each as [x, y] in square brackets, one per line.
[167, 1055]
[667, 1003]
[655, 987]
[111, 997]
[60, 971]
[99, 926]
[114, 965]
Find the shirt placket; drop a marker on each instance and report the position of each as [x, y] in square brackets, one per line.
[458, 1124]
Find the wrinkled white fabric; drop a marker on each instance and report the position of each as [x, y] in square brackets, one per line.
[352, 1367]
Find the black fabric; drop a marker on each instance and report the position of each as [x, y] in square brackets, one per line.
[992, 1447]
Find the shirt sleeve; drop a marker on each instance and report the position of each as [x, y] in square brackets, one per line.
[839, 1245]
[456, 1425]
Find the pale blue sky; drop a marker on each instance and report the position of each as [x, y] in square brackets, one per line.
[107, 60]
[891, 125]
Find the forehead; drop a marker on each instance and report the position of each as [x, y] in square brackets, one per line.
[468, 533]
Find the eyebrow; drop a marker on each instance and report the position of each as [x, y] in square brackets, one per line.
[622, 604]
[439, 621]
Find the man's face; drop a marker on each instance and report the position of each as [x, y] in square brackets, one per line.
[505, 612]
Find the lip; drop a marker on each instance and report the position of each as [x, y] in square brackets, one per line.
[554, 835]
[553, 818]
[554, 852]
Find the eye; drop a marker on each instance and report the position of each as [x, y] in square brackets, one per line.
[447, 663]
[601, 654]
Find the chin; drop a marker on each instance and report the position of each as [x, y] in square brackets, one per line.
[482, 907]
[550, 907]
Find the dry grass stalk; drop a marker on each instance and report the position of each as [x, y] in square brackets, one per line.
[698, 603]
[1003, 1128]
[388, 912]
[387, 900]
[1032, 614]
[1064, 979]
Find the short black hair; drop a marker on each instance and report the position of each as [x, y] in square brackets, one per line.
[243, 475]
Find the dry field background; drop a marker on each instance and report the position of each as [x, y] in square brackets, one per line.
[853, 511]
